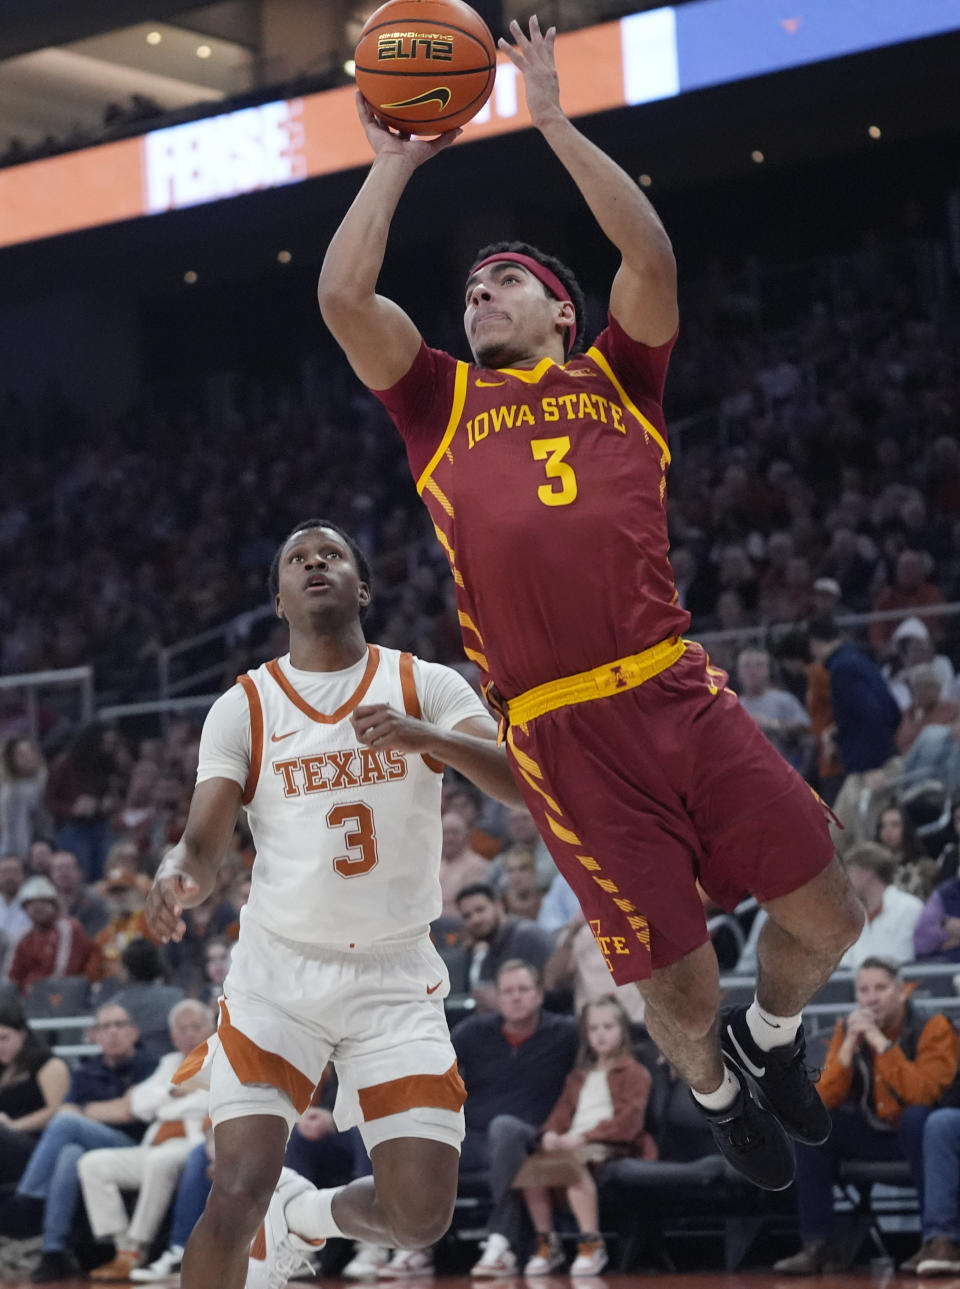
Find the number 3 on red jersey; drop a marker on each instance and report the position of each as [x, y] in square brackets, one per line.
[362, 838]
[557, 470]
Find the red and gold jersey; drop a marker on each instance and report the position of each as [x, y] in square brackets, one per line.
[547, 490]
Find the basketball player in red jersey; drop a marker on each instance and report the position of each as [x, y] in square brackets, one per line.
[544, 471]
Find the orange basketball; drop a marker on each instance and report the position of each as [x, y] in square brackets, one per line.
[425, 66]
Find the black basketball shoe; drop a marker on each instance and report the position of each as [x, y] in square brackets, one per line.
[780, 1079]
[752, 1141]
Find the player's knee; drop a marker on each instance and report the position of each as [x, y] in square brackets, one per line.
[421, 1230]
[240, 1197]
[419, 1221]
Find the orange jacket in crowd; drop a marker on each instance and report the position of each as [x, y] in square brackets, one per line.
[897, 1081]
[629, 1084]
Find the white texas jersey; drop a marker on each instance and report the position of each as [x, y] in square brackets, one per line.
[347, 837]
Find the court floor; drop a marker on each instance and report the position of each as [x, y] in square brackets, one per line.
[881, 1278]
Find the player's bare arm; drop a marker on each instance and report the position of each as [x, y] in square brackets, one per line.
[470, 748]
[186, 875]
[643, 297]
[379, 339]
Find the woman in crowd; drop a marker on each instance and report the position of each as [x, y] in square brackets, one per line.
[23, 782]
[33, 1084]
[916, 871]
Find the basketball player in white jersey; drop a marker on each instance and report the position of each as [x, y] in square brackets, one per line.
[337, 751]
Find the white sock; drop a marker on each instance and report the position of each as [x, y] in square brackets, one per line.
[725, 1095]
[310, 1216]
[769, 1031]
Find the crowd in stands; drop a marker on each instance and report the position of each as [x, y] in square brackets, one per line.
[829, 483]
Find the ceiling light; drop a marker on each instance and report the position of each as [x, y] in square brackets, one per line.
[154, 37]
[874, 131]
[350, 67]
[757, 156]
[284, 257]
[189, 277]
[645, 181]
[204, 51]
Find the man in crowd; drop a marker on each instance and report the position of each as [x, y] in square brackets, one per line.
[495, 937]
[779, 714]
[866, 717]
[76, 900]
[56, 945]
[513, 1061]
[96, 1113]
[928, 707]
[13, 920]
[911, 590]
[885, 1068]
[460, 865]
[125, 901]
[153, 1167]
[939, 1252]
[892, 914]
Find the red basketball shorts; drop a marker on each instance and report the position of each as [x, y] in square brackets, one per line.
[642, 794]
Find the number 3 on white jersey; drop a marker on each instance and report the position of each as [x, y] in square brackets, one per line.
[362, 838]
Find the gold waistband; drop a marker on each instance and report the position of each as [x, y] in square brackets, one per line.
[601, 682]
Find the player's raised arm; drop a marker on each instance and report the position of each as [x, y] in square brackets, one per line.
[186, 874]
[643, 298]
[378, 338]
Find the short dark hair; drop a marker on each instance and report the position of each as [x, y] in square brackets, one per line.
[823, 627]
[361, 561]
[558, 269]
[143, 962]
[478, 888]
[520, 964]
[881, 964]
[873, 857]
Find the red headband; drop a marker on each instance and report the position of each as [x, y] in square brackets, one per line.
[549, 280]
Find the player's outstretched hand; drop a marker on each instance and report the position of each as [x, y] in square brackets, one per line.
[170, 894]
[383, 140]
[382, 726]
[533, 55]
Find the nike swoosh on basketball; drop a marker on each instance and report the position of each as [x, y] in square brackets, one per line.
[432, 989]
[758, 1071]
[439, 94]
[277, 738]
[488, 384]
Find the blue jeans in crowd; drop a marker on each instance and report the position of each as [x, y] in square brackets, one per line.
[941, 1175]
[51, 1174]
[192, 1192]
[327, 1162]
[853, 1137]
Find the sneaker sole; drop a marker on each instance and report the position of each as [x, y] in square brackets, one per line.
[934, 1268]
[730, 1051]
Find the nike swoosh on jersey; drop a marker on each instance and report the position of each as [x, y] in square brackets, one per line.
[488, 384]
[432, 989]
[758, 1071]
[278, 738]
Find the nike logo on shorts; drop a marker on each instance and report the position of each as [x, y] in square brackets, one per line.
[278, 738]
[758, 1071]
[432, 989]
